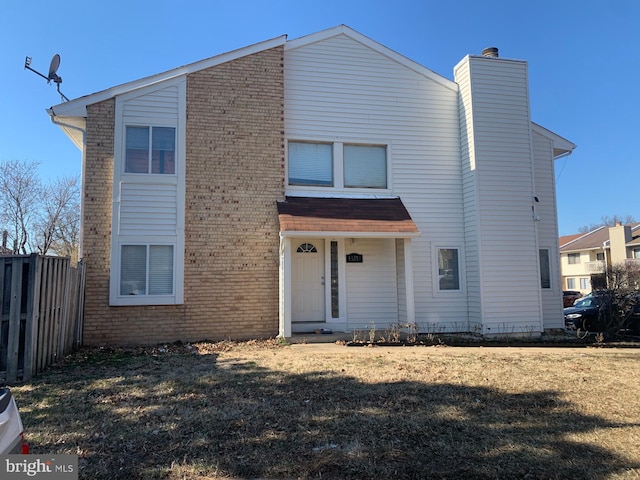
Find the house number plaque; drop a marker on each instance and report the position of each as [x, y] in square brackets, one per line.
[354, 258]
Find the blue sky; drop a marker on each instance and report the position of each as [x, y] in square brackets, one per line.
[583, 67]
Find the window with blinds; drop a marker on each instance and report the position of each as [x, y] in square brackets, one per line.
[365, 166]
[310, 164]
[146, 270]
[337, 165]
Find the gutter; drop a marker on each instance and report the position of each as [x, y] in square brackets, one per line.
[67, 127]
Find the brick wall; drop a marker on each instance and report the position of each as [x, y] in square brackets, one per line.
[234, 175]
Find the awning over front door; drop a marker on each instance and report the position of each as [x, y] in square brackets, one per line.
[376, 217]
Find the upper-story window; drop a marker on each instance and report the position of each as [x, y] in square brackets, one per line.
[310, 164]
[150, 150]
[338, 165]
[574, 258]
[365, 166]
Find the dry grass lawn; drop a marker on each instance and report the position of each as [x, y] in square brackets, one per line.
[261, 410]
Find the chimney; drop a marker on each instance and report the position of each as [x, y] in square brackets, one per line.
[619, 236]
[491, 52]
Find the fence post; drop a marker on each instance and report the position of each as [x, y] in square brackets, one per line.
[15, 302]
[33, 317]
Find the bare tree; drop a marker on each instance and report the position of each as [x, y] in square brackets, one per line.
[619, 300]
[607, 221]
[20, 190]
[57, 226]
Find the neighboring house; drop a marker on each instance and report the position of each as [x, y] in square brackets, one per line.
[322, 182]
[583, 256]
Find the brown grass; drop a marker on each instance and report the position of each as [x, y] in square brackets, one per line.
[261, 410]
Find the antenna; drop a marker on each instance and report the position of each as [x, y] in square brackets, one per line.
[53, 75]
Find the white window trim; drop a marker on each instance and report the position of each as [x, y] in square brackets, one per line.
[338, 167]
[461, 270]
[177, 240]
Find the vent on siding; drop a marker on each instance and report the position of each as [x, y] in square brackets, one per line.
[490, 52]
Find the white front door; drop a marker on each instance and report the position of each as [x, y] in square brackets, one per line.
[307, 285]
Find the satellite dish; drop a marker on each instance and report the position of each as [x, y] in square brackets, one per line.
[53, 75]
[53, 67]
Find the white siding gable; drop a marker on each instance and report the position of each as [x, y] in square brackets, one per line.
[343, 88]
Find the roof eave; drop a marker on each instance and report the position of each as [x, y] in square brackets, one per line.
[561, 146]
[78, 107]
[344, 234]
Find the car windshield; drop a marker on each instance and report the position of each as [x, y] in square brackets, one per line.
[586, 302]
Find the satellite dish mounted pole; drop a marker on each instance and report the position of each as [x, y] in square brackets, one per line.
[53, 68]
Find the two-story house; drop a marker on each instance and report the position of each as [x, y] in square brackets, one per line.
[321, 182]
[584, 258]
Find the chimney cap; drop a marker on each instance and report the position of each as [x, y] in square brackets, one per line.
[491, 52]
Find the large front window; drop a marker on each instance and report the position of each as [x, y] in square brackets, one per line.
[146, 270]
[337, 165]
[150, 150]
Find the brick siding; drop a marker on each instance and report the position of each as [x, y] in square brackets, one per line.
[234, 176]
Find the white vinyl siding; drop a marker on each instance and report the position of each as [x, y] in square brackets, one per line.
[547, 228]
[500, 191]
[372, 293]
[148, 209]
[341, 90]
[148, 200]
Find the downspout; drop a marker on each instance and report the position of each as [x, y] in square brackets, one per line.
[54, 120]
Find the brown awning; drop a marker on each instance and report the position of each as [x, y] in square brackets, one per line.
[346, 215]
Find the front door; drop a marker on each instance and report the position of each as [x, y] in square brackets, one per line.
[308, 299]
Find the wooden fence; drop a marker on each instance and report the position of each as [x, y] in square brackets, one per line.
[41, 313]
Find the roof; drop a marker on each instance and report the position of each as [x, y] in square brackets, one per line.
[593, 240]
[561, 146]
[569, 238]
[71, 116]
[379, 217]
